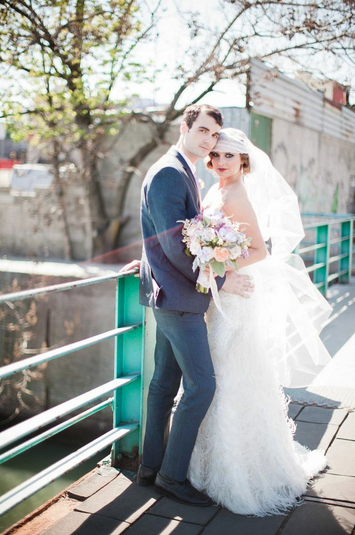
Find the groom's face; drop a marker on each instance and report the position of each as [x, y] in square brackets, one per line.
[201, 138]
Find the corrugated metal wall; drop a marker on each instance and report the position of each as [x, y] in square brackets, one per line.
[275, 95]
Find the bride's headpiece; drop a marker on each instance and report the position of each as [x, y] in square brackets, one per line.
[232, 140]
[273, 200]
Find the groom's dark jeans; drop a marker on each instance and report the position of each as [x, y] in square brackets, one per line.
[181, 350]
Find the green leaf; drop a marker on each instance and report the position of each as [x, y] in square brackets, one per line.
[219, 268]
[195, 264]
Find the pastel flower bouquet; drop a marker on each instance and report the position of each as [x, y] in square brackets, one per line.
[216, 242]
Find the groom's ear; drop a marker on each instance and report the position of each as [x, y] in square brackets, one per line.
[183, 127]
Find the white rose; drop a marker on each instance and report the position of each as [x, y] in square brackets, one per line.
[195, 247]
[235, 252]
[208, 234]
[190, 231]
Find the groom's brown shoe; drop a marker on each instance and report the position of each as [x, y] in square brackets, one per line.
[145, 476]
[182, 492]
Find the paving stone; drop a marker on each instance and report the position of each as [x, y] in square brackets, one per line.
[178, 511]
[315, 435]
[85, 524]
[321, 415]
[91, 484]
[294, 410]
[156, 525]
[313, 518]
[227, 523]
[341, 457]
[347, 429]
[334, 487]
[121, 499]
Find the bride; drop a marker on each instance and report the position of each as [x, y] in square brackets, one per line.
[245, 457]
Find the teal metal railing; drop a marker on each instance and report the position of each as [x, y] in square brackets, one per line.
[126, 386]
[328, 248]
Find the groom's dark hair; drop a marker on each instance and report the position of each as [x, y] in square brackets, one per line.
[192, 112]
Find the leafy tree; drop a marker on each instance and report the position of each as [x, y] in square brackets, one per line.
[61, 59]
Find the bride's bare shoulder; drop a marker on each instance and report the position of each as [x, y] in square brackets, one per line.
[235, 193]
[236, 200]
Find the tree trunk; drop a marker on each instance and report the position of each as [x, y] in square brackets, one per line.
[68, 249]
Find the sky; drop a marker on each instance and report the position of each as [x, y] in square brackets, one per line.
[168, 46]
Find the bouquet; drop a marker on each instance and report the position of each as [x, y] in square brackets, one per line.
[216, 242]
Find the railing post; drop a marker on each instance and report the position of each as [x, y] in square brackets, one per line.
[129, 350]
[346, 248]
[322, 256]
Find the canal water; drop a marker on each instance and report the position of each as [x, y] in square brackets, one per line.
[30, 463]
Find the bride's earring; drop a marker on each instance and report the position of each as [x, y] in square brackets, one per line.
[242, 169]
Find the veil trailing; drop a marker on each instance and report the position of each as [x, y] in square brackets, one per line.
[295, 310]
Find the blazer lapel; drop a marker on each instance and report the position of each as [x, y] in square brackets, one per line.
[188, 172]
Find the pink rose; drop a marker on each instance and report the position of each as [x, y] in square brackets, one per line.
[221, 254]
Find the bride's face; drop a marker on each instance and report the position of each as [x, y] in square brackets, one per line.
[225, 164]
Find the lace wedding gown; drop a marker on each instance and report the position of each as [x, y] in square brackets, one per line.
[245, 457]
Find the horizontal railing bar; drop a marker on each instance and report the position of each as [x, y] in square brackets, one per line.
[327, 222]
[17, 296]
[52, 354]
[338, 274]
[336, 258]
[339, 240]
[311, 248]
[53, 431]
[314, 267]
[329, 215]
[319, 284]
[35, 423]
[56, 470]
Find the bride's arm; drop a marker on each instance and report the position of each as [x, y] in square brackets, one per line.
[239, 208]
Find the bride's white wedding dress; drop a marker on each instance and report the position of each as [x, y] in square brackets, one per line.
[245, 457]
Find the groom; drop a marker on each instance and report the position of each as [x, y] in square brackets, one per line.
[171, 194]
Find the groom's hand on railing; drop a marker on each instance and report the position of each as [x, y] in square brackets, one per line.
[238, 284]
[132, 265]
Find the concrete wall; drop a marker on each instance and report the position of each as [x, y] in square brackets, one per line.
[31, 226]
[318, 167]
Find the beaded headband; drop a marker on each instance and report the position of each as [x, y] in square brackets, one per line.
[231, 140]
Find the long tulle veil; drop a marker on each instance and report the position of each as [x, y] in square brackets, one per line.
[294, 309]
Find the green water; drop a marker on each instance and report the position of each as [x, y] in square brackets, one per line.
[31, 462]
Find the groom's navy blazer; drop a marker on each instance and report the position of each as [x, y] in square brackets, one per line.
[169, 195]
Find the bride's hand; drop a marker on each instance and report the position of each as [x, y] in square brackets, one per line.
[238, 284]
[132, 265]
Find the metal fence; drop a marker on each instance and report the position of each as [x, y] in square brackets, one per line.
[328, 248]
[125, 386]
